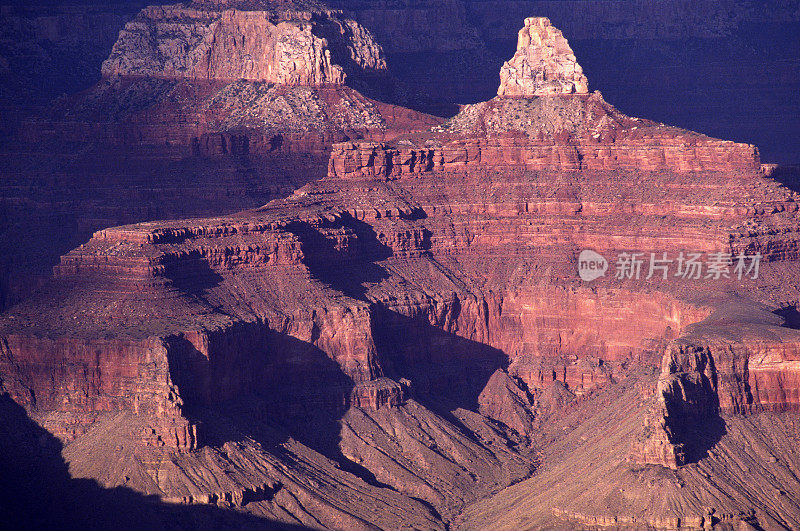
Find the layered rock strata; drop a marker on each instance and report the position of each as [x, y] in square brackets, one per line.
[269, 98]
[739, 360]
[423, 330]
[331, 309]
[651, 148]
[273, 75]
[551, 123]
[263, 116]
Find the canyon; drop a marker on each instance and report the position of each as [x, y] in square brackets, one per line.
[437, 54]
[365, 316]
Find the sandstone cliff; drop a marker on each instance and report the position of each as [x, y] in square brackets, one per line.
[321, 306]
[542, 118]
[707, 66]
[273, 75]
[563, 132]
[162, 118]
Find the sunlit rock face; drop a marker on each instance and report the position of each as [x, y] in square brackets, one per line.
[298, 45]
[543, 63]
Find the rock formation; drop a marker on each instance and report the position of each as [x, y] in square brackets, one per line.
[272, 75]
[543, 64]
[402, 340]
[246, 136]
[581, 131]
[179, 72]
[701, 65]
[217, 41]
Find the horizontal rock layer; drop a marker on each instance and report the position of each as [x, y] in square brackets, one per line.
[203, 116]
[564, 132]
[736, 361]
[272, 358]
[548, 334]
[353, 300]
[375, 160]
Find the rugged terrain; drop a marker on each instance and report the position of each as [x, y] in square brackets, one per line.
[406, 341]
[156, 139]
[728, 69]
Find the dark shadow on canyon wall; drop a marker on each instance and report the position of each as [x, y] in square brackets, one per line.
[791, 317]
[701, 435]
[446, 371]
[350, 268]
[192, 275]
[789, 176]
[38, 492]
[270, 386]
[54, 197]
[265, 385]
[693, 415]
[293, 377]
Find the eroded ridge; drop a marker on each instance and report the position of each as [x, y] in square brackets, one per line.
[232, 78]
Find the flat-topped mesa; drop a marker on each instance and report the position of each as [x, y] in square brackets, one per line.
[231, 41]
[234, 78]
[543, 64]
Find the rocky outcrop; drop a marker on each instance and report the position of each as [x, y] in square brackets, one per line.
[145, 111]
[543, 64]
[605, 490]
[551, 123]
[271, 76]
[96, 377]
[154, 115]
[216, 41]
[505, 401]
[435, 46]
[334, 234]
[737, 361]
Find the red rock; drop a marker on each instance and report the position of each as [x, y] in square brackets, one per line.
[503, 400]
[602, 139]
[270, 76]
[458, 275]
[217, 41]
[543, 64]
[736, 361]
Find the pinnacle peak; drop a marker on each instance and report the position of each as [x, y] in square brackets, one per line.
[544, 63]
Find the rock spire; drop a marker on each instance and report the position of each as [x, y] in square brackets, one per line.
[543, 63]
